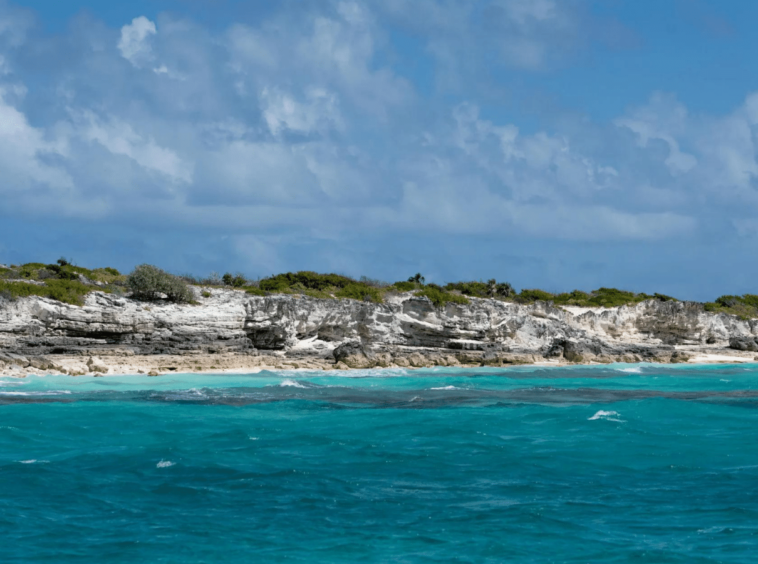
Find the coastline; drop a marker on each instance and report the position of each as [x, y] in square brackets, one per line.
[163, 365]
[230, 332]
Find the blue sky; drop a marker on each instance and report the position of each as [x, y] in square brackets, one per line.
[557, 144]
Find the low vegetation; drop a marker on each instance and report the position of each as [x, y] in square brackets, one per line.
[603, 297]
[441, 297]
[68, 283]
[66, 291]
[150, 283]
[745, 307]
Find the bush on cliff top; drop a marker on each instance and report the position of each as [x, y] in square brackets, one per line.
[317, 285]
[148, 282]
[602, 297]
[745, 307]
[66, 291]
[439, 297]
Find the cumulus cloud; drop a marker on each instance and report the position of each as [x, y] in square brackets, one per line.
[308, 126]
[134, 43]
[23, 153]
[121, 139]
[319, 112]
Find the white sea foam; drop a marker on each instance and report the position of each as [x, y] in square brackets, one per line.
[50, 393]
[446, 388]
[34, 461]
[291, 384]
[633, 370]
[368, 373]
[606, 415]
[165, 464]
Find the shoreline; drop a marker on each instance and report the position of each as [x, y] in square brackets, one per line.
[161, 366]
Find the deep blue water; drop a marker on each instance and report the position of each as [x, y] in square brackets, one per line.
[620, 463]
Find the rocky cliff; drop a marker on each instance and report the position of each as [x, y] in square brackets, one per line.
[231, 329]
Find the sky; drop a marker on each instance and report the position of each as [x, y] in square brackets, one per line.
[554, 144]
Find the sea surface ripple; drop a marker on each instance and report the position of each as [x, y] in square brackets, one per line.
[616, 463]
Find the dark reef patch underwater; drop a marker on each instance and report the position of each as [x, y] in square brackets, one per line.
[619, 463]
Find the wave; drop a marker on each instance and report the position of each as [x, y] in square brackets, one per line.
[34, 461]
[633, 370]
[165, 464]
[446, 388]
[50, 393]
[607, 416]
[291, 384]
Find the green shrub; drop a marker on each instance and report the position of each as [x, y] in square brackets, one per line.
[360, 292]
[254, 291]
[439, 297]
[67, 291]
[237, 281]
[405, 286]
[577, 298]
[745, 307]
[611, 297]
[307, 279]
[146, 283]
[30, 269]
[475, 289]
[529, 296]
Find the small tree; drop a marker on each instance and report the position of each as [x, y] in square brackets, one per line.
[147, 282]
[237, 281]
[417, 279]
[504, 290]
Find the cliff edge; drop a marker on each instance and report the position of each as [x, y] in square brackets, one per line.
[230, 329]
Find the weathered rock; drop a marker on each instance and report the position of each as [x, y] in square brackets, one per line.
[742, 343]
[96, 365]
[405, 331]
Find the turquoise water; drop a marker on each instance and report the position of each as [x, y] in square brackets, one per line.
[620, 463]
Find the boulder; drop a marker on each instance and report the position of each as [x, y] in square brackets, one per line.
[743, 344]
[96, 365]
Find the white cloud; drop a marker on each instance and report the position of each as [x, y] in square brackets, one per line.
[134, 43]
[319, 111]
[23, 150]
[120, 139]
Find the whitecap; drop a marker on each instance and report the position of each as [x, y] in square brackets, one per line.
[446, 388]
[253, 438]
[291, 384]
[34, 461]
[607, 416]
[165, 464]
[725, 380]
[50, 393]
[633, 370]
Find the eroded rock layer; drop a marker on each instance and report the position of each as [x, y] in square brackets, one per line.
[238, 330]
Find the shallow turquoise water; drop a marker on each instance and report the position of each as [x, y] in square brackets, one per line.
[621, 463]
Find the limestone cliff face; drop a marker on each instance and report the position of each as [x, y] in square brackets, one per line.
[232, 321]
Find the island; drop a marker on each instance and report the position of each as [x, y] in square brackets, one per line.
[64, 319]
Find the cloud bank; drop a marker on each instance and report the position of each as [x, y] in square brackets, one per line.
[308, 139]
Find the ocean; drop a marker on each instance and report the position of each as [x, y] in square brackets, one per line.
[615, 463]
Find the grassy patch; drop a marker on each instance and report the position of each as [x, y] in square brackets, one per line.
[602, 297]
[744, 307]
[439, 296]
[406, 286]
[324, 286]
[359, 291]
[66, 291]
[475, 289]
